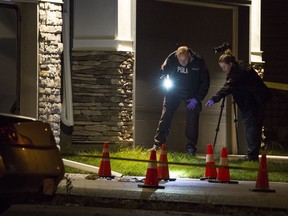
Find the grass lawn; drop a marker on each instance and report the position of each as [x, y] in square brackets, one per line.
[133, 162]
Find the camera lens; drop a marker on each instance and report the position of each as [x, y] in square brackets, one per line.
[222, 48]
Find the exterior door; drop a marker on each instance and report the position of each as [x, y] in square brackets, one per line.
[9, 64]
[161, 27]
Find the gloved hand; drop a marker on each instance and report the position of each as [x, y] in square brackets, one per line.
[163, 74]
[210, 103]
[191, 103]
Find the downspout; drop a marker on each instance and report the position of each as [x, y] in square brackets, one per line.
[86, 167]
[67, 102]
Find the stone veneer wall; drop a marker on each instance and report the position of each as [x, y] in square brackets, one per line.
[102, 97]
[50, 54]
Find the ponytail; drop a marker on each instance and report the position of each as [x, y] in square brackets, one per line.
[227, 57]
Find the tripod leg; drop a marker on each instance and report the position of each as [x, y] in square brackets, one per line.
[219, 120]
[236, 126]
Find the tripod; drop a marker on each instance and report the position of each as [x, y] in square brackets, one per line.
[235, 123]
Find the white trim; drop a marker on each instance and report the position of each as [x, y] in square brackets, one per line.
[199, 3]
[124, 20]
[255, 32]
[256, 57]
[52, 1]
[102, 45]
[36, 1]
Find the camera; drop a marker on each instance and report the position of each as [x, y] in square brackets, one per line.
[222, 48]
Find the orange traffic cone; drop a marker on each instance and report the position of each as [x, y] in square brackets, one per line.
[105, 167]
[210, 170]
[223, 171]
[262, 183]
[151, 180]
[163, 170]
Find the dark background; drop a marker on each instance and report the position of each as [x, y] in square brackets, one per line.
[274, 43]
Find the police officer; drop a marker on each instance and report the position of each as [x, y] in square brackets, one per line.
[191, 82]
[250, 94]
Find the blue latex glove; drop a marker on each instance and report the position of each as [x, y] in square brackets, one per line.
[210, 103]
[191, 103]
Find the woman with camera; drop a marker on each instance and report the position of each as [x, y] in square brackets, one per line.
[250, 94]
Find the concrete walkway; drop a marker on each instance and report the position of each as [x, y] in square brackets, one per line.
[183, 190]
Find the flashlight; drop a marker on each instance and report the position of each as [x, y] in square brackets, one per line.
[167, 83]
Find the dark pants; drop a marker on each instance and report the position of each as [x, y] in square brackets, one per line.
[253, 120]
[170, 105]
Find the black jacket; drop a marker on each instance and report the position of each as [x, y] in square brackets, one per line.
[192, 80]
[247, 88]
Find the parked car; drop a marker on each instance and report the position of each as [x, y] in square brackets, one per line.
[30, 162]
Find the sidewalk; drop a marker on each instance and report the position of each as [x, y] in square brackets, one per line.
[182, 191]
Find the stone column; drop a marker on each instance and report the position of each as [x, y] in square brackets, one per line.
[50, 53]
[102, 97]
